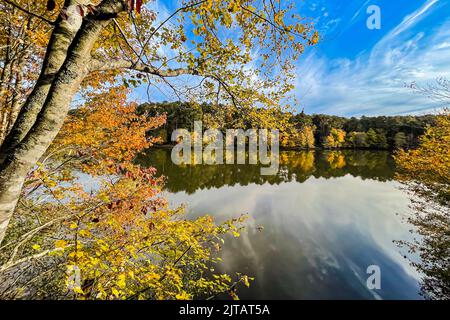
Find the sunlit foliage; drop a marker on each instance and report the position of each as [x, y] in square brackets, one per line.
[430, 163]
[335, 139]
[94, 225]
[425, 172]
[22, 47]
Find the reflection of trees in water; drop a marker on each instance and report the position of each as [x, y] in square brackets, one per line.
[336, 159]
[431, 222]
[432, 246]
[294, 166]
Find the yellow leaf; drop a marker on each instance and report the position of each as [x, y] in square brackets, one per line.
[60, 244]
[121, 282]
[115, 292]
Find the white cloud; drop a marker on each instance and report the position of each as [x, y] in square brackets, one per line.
[413, 18]
[297, 211]
[358, 12]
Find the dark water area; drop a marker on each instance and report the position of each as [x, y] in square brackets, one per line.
[326, 217]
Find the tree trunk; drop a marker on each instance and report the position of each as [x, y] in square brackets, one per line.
[56, 53]
[49, 120]
[4, 88]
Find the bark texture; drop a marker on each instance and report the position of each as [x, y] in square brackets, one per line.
[49, 120]
[56, 53]
[66, 64]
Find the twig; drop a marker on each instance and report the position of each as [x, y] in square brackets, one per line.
[52, 23]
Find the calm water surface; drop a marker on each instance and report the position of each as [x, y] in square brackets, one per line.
[327, 216]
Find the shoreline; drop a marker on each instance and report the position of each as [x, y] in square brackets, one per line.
[170, 146]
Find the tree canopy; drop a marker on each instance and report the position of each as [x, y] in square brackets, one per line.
[234, 52]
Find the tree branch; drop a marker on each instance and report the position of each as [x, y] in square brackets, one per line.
[31, 233]
[98, 65]
[273, 24]
[165, 21]
[9, 265]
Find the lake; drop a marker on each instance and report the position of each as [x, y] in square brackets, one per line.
[326, 217]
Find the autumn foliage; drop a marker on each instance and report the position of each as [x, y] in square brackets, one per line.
[93, 225]
[22, 46]
[430, 163]
[425, 174]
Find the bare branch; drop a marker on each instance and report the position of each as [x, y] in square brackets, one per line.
[98, 65]
[44, 253]
[273, 24]
[31, 233]
[125, 37]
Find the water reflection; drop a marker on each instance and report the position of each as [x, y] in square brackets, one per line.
[431, 248]
[327, 216]
[294, 166]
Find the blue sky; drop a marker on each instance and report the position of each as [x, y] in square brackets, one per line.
[355, 71]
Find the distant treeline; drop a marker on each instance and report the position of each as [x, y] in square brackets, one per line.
[296, 130]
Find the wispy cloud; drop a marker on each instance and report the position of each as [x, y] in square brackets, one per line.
[358, 12]
[412, 18]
